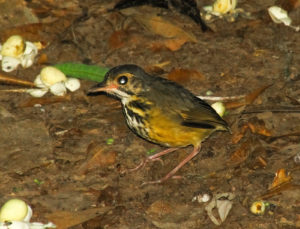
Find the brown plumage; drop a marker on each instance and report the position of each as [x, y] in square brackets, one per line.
[161, 111]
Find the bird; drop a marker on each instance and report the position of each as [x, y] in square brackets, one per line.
[160, 111]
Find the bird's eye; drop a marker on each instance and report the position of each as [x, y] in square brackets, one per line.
[122, 80]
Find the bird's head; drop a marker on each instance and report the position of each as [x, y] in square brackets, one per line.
[122, 81]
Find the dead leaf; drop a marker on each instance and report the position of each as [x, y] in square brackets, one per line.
[164, 28]
[118, 39]
[256, 126]
[181, 75]
[278, 190]
[157, 68]
[249, 99]
[253, 95]
[44, 101]
[98, 157]
[174, 44]
[237, 136]
[280, 178]
[259, 128]
[242, 153]
[43, 59]
[66, 219]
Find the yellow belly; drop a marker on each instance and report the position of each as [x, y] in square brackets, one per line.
[171, 133]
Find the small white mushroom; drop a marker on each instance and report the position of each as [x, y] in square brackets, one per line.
[72, 84]
[10, 63]
[38, 82]
[54, 80]
[223, 6]
[14, 209]
[13, 47]
[58, 89]
[29, 54]
[51, 75]
[279, 15]
[219, 108]
[37, 92]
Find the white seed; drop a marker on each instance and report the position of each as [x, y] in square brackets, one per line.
[29, 54]
[219, 108]
[37, 92]
[279, 15]
[29, 214]
[72, 84]
[13, 47]
[58, 89]
[9, 63]
[38, 82]
[224, 6]
[13, 209]
[51, 75]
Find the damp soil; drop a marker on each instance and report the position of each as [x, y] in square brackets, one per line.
[68, 155]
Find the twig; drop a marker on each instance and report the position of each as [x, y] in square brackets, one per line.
[11, 80]
[221, 98]
[16, 90]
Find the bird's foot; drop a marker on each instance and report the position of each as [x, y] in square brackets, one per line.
[140, 166]
[144, 162]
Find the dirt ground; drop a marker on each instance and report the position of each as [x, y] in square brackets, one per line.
[64, 156]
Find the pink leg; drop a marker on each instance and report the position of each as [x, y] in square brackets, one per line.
[154, 157]
[182, 163]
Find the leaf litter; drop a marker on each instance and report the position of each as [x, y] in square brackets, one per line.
[81, 33]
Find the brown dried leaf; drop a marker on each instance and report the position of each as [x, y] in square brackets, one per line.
[174, 44]
[118, 39]
[43, 59]
[99, 158]
[160, 208]
[65, 219]
[164, 28]
[234, 104]
[259, 128]
[256, 126]
[157, 68]
[181, 75]
[281, 178]
[242, 153]
[237, 136]
[249, 99]
[28, 32]
[44, 101]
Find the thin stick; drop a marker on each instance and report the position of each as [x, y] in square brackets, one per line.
[221, 98]
[14, 81]
[17, 90]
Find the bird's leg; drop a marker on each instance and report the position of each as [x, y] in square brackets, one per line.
[196, 150]
[154, 157]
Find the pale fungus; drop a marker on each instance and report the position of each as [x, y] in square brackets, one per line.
[15, 51]
[54, 80]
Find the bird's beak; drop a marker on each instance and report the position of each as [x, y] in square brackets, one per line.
[101, 87]
[96, 89]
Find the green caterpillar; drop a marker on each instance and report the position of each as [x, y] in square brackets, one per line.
[83, 71]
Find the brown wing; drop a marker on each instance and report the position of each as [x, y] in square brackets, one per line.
[184, 106]
[203, 117]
